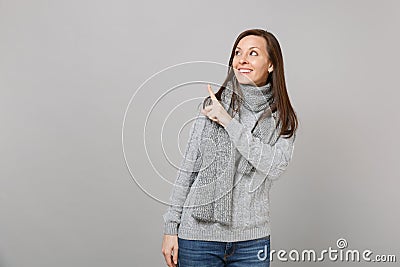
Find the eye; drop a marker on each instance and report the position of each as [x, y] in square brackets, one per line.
[253, 53]
[237, 52]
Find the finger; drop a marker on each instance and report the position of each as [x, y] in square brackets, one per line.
[168, 258]
[206, 109]
[205, 112]
[176, 256]
[210, 91]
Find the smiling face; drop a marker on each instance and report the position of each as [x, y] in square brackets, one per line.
[251, 62]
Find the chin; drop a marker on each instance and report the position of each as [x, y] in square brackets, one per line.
[244, 79]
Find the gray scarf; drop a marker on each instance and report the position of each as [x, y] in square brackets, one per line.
[215, 179]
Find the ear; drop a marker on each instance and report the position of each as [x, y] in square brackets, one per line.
[270, 68]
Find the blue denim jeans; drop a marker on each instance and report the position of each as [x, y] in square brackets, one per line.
[249, 253]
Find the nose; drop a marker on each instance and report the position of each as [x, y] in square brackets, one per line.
[243, 59]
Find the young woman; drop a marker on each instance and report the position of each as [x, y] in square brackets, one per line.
[219, 212]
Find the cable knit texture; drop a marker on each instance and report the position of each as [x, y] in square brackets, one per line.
[222, 189]
[213, 191]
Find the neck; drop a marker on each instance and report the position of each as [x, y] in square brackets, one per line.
[256, 98]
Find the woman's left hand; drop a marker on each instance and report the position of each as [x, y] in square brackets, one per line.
[216, 112]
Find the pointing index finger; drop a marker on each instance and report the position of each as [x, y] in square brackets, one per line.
[210, 91]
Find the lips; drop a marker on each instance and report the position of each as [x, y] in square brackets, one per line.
[244, 70]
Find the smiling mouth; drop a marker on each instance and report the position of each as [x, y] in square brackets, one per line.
[245, 70]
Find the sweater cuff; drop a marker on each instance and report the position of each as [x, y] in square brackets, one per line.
[234, 128]
[171, 228]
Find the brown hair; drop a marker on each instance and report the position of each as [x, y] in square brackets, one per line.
[280, 99]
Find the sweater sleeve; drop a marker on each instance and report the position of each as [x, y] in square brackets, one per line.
[186, 175]
[270, 160]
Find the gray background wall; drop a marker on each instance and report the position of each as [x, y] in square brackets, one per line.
[68, 70]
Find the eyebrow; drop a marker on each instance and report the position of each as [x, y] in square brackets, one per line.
[237, 47]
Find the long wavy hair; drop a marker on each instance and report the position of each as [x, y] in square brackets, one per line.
[280, 99]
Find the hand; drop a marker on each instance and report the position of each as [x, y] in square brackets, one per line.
[169, 247]
[216, 112]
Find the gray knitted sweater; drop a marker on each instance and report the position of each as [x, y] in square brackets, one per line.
[250, 209]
